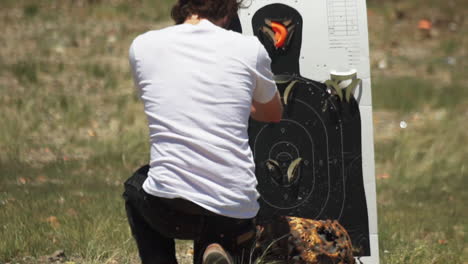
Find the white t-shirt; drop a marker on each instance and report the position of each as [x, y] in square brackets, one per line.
[197, 83]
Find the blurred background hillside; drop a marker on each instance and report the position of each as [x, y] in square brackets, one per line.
[72, 128]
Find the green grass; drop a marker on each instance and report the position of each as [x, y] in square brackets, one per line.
[421, 204]
[72, 130]
[25, 71]
[84, 198]
[409, 94]
[421, 171]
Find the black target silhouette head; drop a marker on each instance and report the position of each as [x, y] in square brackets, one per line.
[235, 24]
[279, 28]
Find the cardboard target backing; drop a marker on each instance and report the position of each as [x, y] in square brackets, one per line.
[318, 162]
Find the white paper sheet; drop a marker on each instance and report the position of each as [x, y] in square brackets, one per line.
[335, 37]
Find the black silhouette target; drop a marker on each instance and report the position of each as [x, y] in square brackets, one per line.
[304, 132]
[308, 165]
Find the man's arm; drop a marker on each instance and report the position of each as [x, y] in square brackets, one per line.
[270, 111]
[266, 101]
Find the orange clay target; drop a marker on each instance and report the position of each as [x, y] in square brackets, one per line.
[281, 33]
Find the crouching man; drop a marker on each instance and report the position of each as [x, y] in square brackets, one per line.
[199, 84]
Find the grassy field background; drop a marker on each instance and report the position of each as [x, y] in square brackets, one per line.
[72, 128]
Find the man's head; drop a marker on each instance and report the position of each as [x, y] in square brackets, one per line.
[213, 10]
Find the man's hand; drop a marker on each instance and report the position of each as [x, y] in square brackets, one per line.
[271, 111]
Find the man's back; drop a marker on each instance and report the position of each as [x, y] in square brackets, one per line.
[197, 83]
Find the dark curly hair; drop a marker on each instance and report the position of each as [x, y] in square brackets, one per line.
[209, 9]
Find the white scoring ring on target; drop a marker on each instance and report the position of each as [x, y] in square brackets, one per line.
[270, 154]
[313, 164]
[289, 155]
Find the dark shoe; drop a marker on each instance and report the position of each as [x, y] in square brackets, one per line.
[215, 254]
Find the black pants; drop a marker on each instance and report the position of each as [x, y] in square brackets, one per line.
[155, 223]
